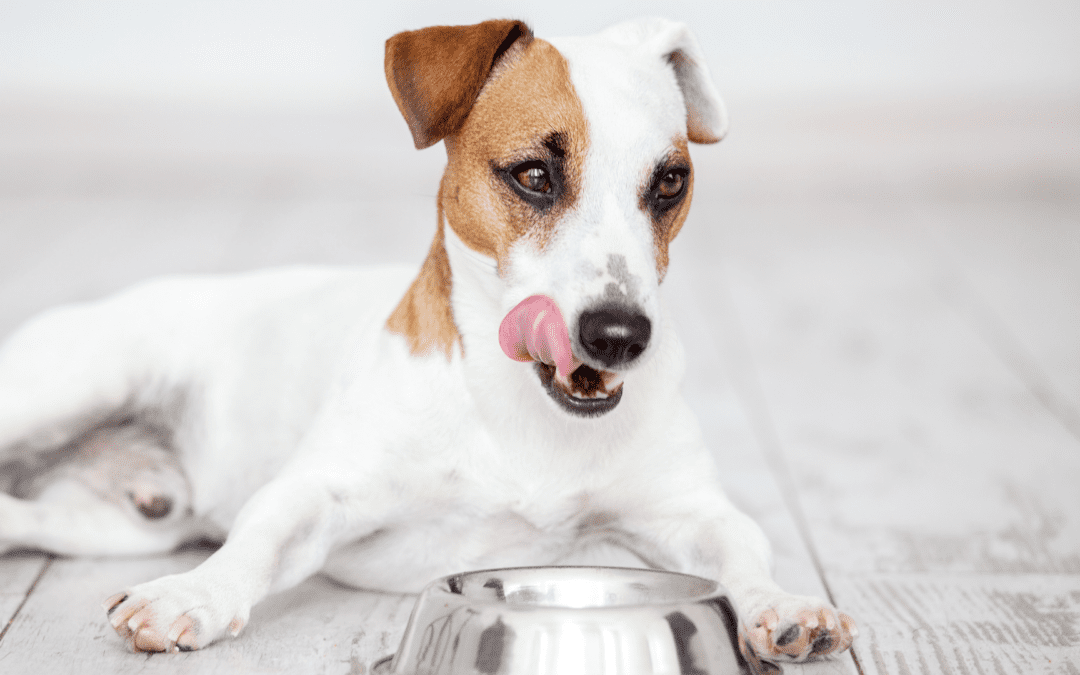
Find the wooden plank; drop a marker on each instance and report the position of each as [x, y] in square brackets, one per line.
[880, 391]
[710, 387]
[966, 623]
[317, 627]
[1015, 277]
[65, 250]
[914, 449]
[18, 573]
[1008, 210]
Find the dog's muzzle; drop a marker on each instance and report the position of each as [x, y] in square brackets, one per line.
[534, 330]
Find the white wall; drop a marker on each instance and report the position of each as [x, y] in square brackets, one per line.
[319, 52]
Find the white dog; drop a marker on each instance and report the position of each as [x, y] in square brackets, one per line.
[514, 401]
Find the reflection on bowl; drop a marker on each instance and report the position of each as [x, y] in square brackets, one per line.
[571, 621]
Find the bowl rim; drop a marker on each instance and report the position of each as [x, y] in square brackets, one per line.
[444, 587]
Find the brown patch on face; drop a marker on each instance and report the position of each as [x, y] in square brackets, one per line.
[668, 219]
[435, 75]
[424, 316]
[528, 117]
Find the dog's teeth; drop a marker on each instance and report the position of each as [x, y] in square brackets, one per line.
[585, 398]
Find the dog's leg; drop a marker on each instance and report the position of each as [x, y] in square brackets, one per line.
[701, 532]
[281, 536]
[118, 491]
[70, 519]
[57, 373]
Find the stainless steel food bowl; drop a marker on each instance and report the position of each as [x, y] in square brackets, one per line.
[571, 621]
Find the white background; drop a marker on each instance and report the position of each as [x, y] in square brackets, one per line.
[329, 52]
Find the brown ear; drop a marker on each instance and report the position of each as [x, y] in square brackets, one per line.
[435, 74]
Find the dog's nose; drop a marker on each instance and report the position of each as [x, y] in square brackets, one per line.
[614, 336]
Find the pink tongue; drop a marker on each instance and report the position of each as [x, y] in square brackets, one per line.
[535, 331]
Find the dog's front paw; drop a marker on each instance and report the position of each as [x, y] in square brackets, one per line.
[176, 613]
[796, 628]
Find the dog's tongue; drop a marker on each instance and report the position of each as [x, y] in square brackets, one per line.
[535, 331]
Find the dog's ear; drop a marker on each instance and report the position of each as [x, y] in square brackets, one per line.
[435, 74]
[706, 119]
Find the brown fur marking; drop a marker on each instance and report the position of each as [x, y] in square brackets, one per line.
[436, 73]
[528, 102]
[667, 226]
[424, 316]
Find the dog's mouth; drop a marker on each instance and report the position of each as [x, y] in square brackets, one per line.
[586, 393]
[534, 330]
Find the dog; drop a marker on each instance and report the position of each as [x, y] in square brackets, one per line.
[513, 401]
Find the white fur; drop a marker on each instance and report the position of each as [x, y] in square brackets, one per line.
[315, 439]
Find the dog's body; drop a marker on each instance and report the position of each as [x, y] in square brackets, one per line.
[285, 409]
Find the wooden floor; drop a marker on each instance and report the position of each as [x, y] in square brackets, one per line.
[880, 302]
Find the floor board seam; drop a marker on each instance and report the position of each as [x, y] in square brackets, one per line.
[956, 289]
[29, 591]
[749, 389]
[959, 294]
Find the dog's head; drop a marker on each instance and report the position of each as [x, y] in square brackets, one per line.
[568, 176]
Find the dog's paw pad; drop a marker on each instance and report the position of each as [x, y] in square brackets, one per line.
[792, 633]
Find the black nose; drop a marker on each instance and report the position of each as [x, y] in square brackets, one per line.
[614, 336]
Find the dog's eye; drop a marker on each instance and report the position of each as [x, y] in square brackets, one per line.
[670, 185]
[537, 182]
[532, 177]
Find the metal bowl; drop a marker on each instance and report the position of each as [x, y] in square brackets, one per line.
[571, 621]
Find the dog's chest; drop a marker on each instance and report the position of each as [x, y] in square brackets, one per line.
[448, 533]
[524, 529]
[560, 505]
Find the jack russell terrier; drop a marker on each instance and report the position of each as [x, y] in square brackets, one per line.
[369, 424]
